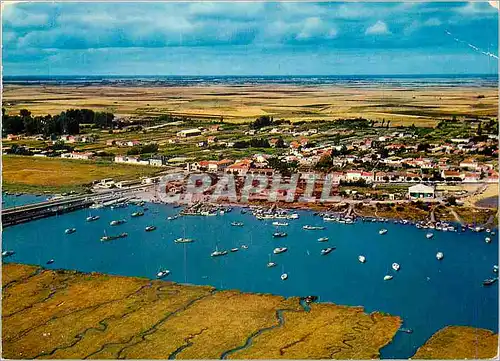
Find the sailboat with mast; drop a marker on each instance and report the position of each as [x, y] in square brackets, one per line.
[218, 253]
[284, 276]
[270, 263]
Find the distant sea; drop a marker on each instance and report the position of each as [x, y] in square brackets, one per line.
[403, 81]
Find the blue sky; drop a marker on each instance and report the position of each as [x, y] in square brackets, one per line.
[220, 38]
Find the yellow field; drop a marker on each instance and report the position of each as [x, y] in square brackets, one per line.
[53, 172]
[423, 107]
[459, 342]
[65, 314]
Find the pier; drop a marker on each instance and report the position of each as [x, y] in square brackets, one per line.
[29, 212]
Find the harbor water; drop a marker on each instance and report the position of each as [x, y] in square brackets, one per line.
[426, 293]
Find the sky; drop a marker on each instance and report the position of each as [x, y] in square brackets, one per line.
[249, 38]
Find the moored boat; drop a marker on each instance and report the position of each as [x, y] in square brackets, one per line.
[325, 251]
[244, 246]
[218, 253]
[280, 250]
[279, 234]
[313, 228]
[70, 230]
[279, 224]
[495, 268]
[429, 235]
[439, 256]
[92, 218]
[323, 239]
[137, 214]
[117, 222]
[237, 224]
[50, 261]
[236, 249]
[388, 277]
[395, 266]
[382, 231]
[171, 218]
[162, 273]
[107, 238]
[362, 259]
[183, 240]
[489, 281]
[7, 253]
[150, 228]
[487, 240]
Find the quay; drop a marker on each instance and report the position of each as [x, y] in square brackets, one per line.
[29, 212]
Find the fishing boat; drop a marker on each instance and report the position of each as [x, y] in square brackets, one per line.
[107, 238]
[395, 266]
[284, 275]
[162, 273]
[429, 235]
[487, 240]
[313, 228]
[150, 228]
[237, 224]
[50, 261]
[7, 253]
[323, 239]
[325, 251]
[362, 259]
[183, 240]
[439, 256]
[92, 218]
[217, 253]
[279, 234]
[382, 231]
[137, 214]
[388, 277]
[171, 218]
[279, 224]
[280, 250]
[270, 263]
[489, 281]
[70, 230]
[117, 222]
[236, 249]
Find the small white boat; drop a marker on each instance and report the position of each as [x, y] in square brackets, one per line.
[395, 266]
[279, 224]
[70, 230]
[7, 253]
[284, 276]
[487, 240]
[50, 261]
[429, 235]
[388, 277]
[235, 249]
[279, 234]
[92, 218]
[162, 273]
[382, 231]
[217, 253]
[137, 214]
[293, 216]
[488, 230]
[244, 246]
[150, 228]
[323, 239]
[271, 264]
[237, 224]
[325, 251]
[313, 228]
[117, 222]
[362, 259]
[183, 240]
[495, 268]
[439, 255]
[171, 218]
[280, 250]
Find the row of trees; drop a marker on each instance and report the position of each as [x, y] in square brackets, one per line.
[67, 122]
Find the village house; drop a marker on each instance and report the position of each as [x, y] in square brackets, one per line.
[130, 160]
[452, 175]
[470, 164]
[421, 191]
[13, 137]
[212, 139]
[80, 156]
[239, 169]
[471, 177]
[185, 133]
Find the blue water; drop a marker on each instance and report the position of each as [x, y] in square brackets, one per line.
[414, 80]
[16, 201]
[426, 293]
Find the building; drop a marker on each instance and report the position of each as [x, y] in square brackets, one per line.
[421, 191]
[75, 155]
[189, 133]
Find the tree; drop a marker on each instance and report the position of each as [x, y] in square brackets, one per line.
[324, 163]
[262, 121]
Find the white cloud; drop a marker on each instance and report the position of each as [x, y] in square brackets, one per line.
[315, 27]
[379, 28]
